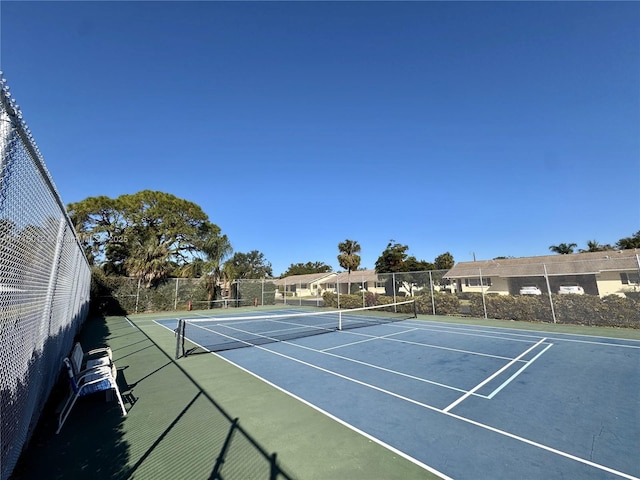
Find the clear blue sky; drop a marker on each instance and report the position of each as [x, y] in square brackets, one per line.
[471, 127]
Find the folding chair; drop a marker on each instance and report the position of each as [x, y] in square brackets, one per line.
[93, 380]
[97, 357]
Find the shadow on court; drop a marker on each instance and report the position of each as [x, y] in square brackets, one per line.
[173, 428]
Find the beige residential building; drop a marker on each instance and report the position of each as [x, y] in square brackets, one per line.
[308, 285]
[598, 273]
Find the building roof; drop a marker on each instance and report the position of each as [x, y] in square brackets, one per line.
[357, 276]
[306, 278]
[573, 264]
[331, 277]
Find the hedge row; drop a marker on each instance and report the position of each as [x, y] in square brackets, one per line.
[445, 304]
[611, 311]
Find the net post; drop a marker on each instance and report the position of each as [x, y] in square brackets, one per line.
[415, 309]
[177, 335]
[339, 319]
[180, 338]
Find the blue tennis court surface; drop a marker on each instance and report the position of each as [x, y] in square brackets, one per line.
[470, 402]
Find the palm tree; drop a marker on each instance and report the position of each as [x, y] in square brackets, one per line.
[228, 276]
[629, 242]
[149, 261]
[216, 248]
[594, 246]
[563, 248]
[349, 258]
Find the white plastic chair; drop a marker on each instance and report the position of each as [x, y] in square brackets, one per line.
[93, 380]
[98, 357]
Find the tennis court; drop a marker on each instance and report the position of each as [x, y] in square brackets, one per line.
[461, 401]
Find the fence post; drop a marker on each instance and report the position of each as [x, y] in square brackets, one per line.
[393, 284]
[53, 277]
[138, 294]
[433, 300]
[175, 300]
[484, 304]
[546, 277]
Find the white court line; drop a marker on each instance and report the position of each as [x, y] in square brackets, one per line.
[424, 405]
[439, 347]
[377, 367]
[481, 384]
[473, 333]
[353, 360]
[524, 367]
[434, 409]
[369, 339]
[335, 418]
[462, 329]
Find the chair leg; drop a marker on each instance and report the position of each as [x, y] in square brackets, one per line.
[117, 390]
[65, 412]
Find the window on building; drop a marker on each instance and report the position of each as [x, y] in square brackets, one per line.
[630, 278]
[475, 282]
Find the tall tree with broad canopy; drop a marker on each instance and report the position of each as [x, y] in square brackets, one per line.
[409, 271]
[392, 261]
[145, 234]
[444, 261]
[306, 268]
[249, 265]
[349, 258]
[392, 258]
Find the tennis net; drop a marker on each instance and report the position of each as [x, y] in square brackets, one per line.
[214, 334]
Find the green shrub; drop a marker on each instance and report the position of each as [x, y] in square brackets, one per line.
[355, 301]
[330, 299]
[445, 304]
[612, 310]
[350, 301]
[622, 312]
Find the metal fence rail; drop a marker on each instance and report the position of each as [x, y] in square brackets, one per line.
[44, 283]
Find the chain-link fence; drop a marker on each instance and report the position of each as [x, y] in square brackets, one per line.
[120, 295]
[596, 288]
[44, 283]
[368, 285]
[600, 288]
